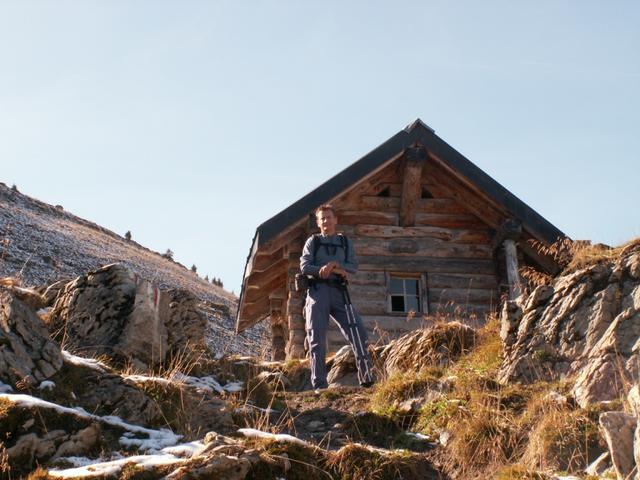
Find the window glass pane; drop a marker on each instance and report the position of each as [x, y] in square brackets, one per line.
[412, 286]
[397, 303]
[396, 285]
[412, 303]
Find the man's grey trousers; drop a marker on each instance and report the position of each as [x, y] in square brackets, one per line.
[324, 300]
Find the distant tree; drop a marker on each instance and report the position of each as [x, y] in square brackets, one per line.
[206, 278]
[14, 187]
[220, 284]
[127, 235]
[194, 269]
[168, 254]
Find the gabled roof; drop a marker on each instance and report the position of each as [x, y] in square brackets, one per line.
[415, 133]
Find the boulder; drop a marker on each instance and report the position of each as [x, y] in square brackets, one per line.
[112, 311]
[618, 429]
[27, 354]
[585, 327]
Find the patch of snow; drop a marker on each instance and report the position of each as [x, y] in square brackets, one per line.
[278, 437]
[85, 467]
[247, 407]
[209, 384]
[46, 385]
[4, 388]
[418, 436]
[85, 362]
[155, 441]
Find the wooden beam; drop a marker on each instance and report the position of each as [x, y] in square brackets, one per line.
[415, 159]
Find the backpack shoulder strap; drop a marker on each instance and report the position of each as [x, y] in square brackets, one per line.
[315, 244]
[345, 246]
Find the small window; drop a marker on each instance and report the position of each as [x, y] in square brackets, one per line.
[426, 193]
[385, 192]
[406, 294]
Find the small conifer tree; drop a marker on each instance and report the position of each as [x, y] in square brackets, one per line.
[168, 254]
[194, 269]
[127, 236]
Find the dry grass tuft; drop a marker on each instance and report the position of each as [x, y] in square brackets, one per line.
[437, 345]
[572, 255]
[358, 462]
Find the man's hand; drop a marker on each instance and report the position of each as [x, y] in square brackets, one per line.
[341, 272]
[327, 269]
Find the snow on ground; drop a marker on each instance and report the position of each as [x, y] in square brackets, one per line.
[85, 467]
[278, 437]
[155, 441]
[209, 383]
[85, 362]
[4, 388]
[46, 385]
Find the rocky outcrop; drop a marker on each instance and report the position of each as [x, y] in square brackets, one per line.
[27, 354]
[112, 311]
[584, 327]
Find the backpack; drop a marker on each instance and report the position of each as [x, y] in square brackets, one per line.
[343, 241]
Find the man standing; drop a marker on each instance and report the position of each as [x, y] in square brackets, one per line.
[328, 259]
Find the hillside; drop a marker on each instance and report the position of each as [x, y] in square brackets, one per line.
[41, 244]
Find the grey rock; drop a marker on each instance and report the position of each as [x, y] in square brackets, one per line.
[27, 354]
[618, 429]
[112, 311]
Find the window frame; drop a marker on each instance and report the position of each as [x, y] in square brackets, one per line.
[422, 287]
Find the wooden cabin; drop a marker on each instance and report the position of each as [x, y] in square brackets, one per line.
[433, 233]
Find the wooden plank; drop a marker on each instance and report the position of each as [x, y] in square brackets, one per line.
[450, 234]
[254, 310]
[428, 247]
[427, 264]
[411, 190]
[439, 280]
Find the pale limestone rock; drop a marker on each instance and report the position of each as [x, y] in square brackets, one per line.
[584, 328]
[27, 354]
[112, 311]
[618, 429]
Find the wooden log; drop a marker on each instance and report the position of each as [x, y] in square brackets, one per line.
[439, 280]
[441, 205]
[466, 195]
[427, 247]
[448, 234]
[264, 261]
[513, 275]
[252, 311]
[411, 188]
[427, 264]
[260, 278]
[384, 204]
[449, 220]
[367, 278]
[351, 217]
[462, 296]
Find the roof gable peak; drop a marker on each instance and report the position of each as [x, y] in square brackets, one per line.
[416, 124]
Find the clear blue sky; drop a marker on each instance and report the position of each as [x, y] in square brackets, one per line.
[190, 123]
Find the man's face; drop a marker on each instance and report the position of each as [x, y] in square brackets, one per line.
[327, 222]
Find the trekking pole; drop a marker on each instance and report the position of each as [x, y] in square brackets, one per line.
[355, 333]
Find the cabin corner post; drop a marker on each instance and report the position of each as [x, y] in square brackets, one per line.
[510, 232]
[279, 330]
[295, 320]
